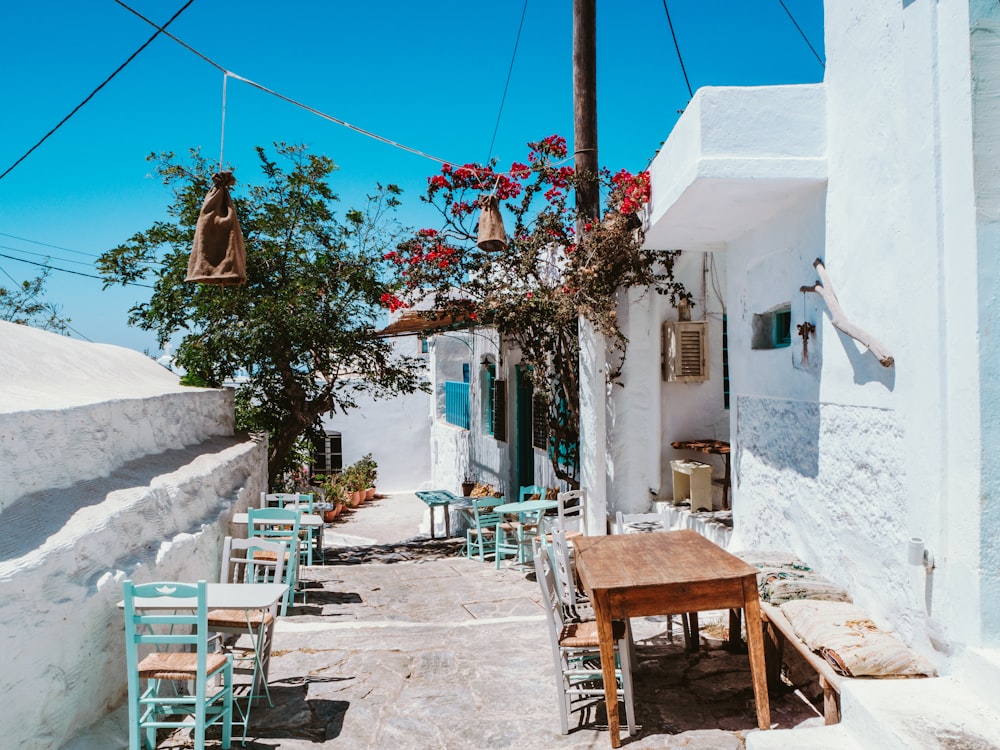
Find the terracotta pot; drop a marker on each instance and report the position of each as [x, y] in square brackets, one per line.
[329, 516]
[357, 497]
[467, 488]
[370, 493]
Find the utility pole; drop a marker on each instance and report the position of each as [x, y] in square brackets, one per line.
[593, 348]
[588, 201]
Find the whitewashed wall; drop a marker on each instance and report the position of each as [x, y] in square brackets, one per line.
[153, 504]
[396, 431]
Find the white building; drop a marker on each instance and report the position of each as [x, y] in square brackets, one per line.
[889, 173]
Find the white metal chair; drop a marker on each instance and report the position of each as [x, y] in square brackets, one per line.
[576, 652]
[164, 615]
[638, 523]
[572, 512]
[241, 564]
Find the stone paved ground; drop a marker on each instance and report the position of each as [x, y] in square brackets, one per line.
[411, 645]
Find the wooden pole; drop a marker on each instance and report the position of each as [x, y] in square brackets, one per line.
[588, 201]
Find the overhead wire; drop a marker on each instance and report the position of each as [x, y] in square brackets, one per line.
[677, 47]
[35, 296]
[92, 94]
[506, 85]
[66, 270]
[299, 104]
[802, 33]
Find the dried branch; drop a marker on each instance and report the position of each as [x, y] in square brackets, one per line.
[824, 288]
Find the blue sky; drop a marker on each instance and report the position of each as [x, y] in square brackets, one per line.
[428, 75]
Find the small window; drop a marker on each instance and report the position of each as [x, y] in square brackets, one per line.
[773, 329]
[328, 454]
[425, 345]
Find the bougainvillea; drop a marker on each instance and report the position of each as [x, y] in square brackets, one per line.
[549, 276]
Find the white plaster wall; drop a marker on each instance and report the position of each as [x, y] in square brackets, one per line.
[396, 431]
[111, 470]
[842, 459]
[70, 410]
[985, 59]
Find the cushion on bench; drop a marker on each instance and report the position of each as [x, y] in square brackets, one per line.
[853, 644]
[784, 577]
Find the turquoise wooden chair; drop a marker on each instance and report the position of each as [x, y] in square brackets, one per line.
[479, 538]
[279, 525]
[296, 501]
[529, 491]
[164, 615]
[514, 538]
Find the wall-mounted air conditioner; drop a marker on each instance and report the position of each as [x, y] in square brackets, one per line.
[685, 351]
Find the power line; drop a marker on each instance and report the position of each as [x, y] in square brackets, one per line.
[66, 270]
[91, 95]
[34, 296]
[46, 244]
[802, 34]
[45, 255]
[306, 107]
[506, 85]
[678, 48]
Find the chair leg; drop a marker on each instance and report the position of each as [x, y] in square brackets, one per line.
[625, 658]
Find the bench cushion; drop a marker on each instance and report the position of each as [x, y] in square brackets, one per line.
[784, 577]
[853, 644]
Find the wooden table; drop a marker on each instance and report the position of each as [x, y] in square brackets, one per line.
[635, 575]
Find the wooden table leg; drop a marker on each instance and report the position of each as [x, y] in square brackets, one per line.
[605, 635]
[755, 647]
[447, 521]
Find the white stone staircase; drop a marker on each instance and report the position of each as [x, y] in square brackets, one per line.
[955, 712]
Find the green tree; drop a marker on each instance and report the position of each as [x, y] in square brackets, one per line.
[299, 337]
[24, 304]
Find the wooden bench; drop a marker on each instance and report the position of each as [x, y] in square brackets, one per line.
[777, 632]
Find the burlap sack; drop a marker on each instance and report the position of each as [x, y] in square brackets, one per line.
[492, 237]
[218, 255]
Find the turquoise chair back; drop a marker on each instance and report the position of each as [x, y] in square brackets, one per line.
[173, 617]
[525, 493]
[279, 525]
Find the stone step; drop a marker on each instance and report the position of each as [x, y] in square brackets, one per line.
[834, 737]
[930, 714]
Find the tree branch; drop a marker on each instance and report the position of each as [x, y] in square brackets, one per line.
[824, 288]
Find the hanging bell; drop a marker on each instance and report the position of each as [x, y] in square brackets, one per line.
[492, 237]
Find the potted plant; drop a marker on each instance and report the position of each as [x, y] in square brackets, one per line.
[468, 484]
[369, 470]
[353, 479]
[333, 492]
